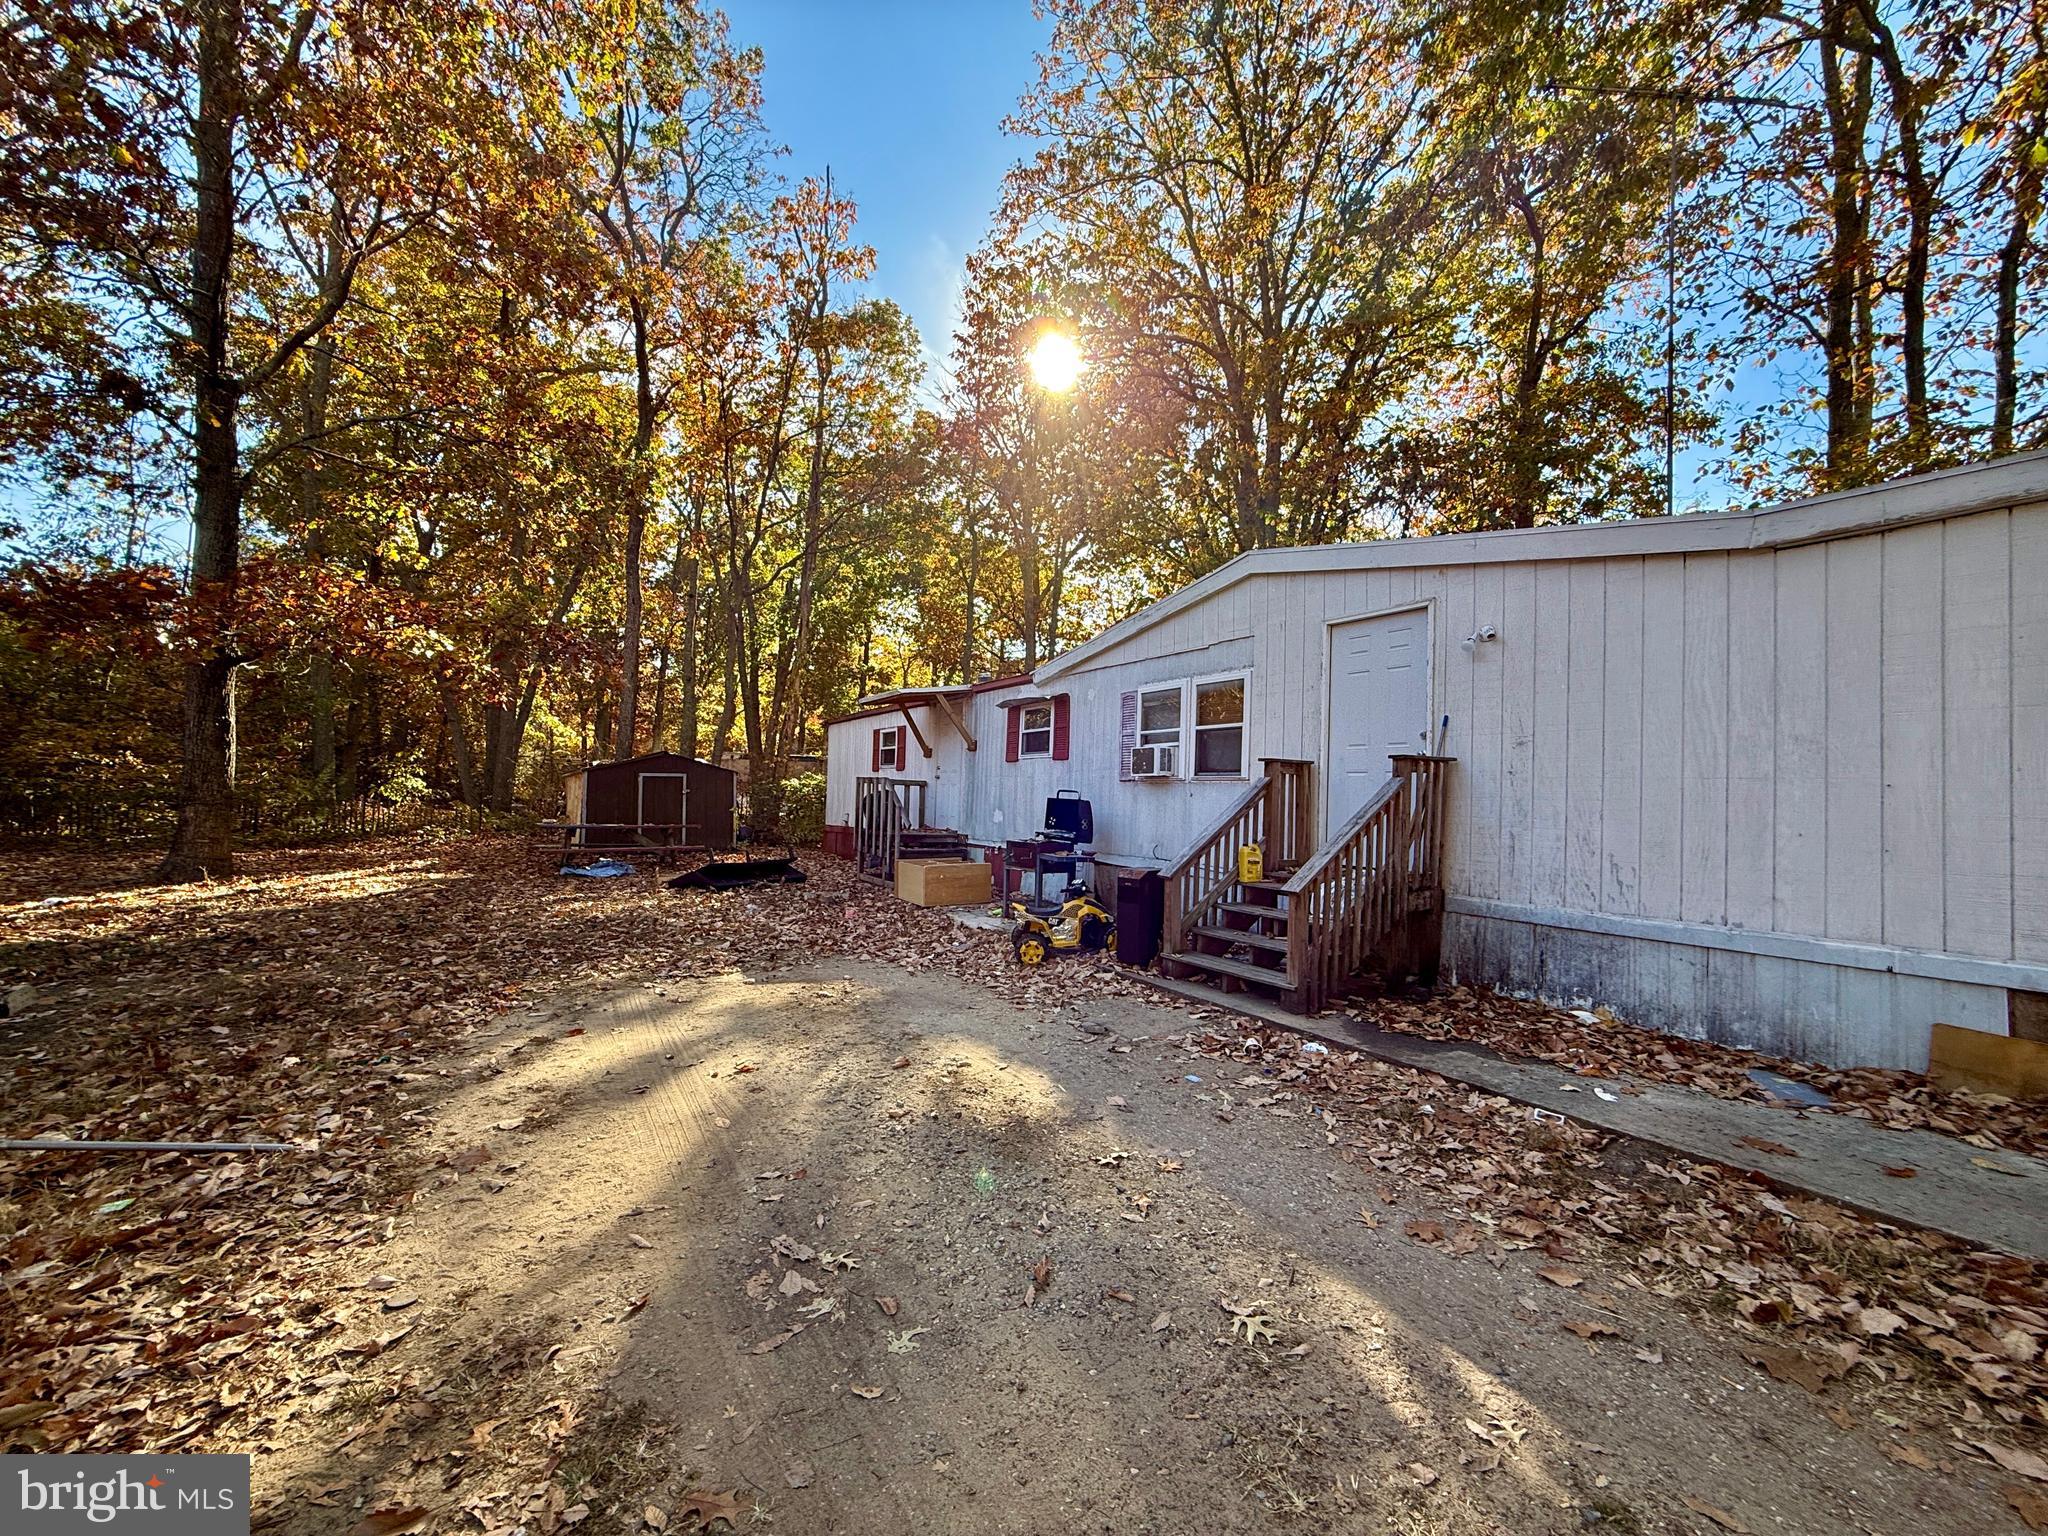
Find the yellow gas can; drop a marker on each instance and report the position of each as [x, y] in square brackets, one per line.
[1251, 863]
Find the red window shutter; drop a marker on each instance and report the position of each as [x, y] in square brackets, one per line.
[1060, 702]
[876, 766]
[1011, 731]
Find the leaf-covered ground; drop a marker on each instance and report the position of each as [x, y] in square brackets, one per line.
[335, 998]
[1594, 1043]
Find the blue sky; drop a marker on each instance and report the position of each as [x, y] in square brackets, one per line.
[904, 99]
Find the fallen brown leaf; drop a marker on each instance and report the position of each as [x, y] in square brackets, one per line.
[1719, 1516]
[1793, 1367]
[2029, 1505]
[777, 1340]
[2013, 1459]
[389, 1520]
[1569, 1279]
[707, 1507]
[1908, 1455]
[1877, 1322]
[1775, 1148]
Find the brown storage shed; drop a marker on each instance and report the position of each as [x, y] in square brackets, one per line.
[656, 798]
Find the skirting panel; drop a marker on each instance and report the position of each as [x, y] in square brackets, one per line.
[1844, 1016]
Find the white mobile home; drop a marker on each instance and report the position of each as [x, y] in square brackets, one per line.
[1779, 778]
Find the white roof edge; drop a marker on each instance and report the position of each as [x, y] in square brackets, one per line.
[1943, 493]
[891, 695]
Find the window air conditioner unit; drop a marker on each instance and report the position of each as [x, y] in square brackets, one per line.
[1152, 762]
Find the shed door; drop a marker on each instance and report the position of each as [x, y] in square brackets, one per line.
[663, 797]
[1379, 704]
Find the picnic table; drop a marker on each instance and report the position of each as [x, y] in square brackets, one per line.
[562, 841]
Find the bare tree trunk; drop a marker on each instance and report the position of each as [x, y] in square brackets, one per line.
[668, 636]
[313, 423]
[728, 707]
[973, 576]
[639, 488]
[692, 617]
[790, 672]
[1847, 271]
[1920, 210]
[458, 745]
[2012, 257]
[202, 845]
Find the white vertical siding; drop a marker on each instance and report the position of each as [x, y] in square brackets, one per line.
[1585, 734]
[2029, 536]
[1844, 741]
[1752, 740]
[1977, 649]
[1913, 756]
[1518, 731]
[1703, 809]
[1621, 765]
[1550, 669]
[1663, 733]
[1855, 793]
[1799, 793]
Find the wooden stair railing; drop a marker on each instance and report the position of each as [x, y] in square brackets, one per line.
[884, 809]
[1273, 811]
[1359, 890]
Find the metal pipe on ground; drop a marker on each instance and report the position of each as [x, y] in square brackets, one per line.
[52, 1145]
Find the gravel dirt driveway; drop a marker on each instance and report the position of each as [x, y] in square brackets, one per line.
[874, 1251]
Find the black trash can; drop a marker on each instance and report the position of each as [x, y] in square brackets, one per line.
[1140, 913]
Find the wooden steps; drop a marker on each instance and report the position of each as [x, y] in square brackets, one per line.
[1369, 900]
[1249, 936]
[1253, 909]
[1236, 970]
[1255, 927]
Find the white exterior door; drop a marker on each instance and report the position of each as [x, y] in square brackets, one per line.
[1379, 704]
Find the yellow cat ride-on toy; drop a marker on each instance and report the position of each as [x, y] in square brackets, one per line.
[1079, 922]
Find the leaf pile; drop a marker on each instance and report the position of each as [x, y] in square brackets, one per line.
[1814, 1293]
[1596, 1044]
[176, 1301]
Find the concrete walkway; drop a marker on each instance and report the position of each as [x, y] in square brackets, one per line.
[1988, 1198]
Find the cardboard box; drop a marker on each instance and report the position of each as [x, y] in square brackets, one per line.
[943, 882]
[1987, 1063]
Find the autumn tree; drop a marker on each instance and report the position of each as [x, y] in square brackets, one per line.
[171, 152]
[1245, 186]
[1561, 129]
[670, 117]
[1875, 157]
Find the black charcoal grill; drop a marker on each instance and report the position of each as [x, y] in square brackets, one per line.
[1060, 847]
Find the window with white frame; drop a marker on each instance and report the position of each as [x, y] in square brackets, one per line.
[1159, 717]
[1034, 731]
[1219, 727]
[889, 747]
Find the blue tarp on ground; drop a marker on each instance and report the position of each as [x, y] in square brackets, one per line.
[599, 871]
